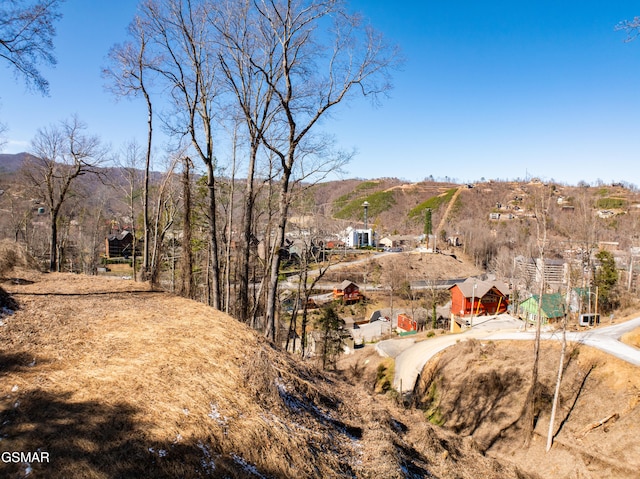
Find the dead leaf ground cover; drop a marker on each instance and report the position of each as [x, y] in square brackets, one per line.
[115, 380]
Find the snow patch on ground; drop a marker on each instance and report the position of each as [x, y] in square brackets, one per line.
[296, 404]
[217, 416]
[4, 312]
[207, 461]
[246, 466]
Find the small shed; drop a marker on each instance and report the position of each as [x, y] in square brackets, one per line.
[398, 241]
[552, 307]
[346, 292]
[406, 323]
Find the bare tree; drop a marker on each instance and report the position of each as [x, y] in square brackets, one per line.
[186, 284]
[182, 37]
[630, 27]
[15, 224]
[316, 72]
[230, 223]
[26, 38]
[92, 229]
[131, 176]
[61, 155]
[165, 216]
[530, 405]
[307, 281]
[131, 65]
[585, 229]
[563, 353]
[243, 55]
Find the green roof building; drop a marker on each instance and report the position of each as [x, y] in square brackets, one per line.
[552, 307]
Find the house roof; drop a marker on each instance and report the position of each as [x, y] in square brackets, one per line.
[481, 287]
[552, 304]
[119, 236]
[400, 238]
[344, 285]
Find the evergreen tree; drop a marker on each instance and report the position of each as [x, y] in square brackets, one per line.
[428, 225]
[606, 278]
[330, 324]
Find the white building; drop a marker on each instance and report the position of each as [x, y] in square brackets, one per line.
[356, 238]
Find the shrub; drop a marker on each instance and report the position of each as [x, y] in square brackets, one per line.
[14, 255]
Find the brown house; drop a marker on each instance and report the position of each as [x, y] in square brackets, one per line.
[346, 292]
[119, 245]
[478, 298]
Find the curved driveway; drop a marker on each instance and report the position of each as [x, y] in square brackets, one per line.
[411, 357]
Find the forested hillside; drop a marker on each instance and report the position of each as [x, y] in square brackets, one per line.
[492, 222]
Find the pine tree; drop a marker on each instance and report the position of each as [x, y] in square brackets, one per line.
[428, 225]
[606, 278]
[330, 324]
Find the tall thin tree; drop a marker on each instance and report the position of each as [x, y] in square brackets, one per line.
[186, 258]
[182, 36]
[129, 71]
[243, 54]
[531, 401]
[311, 81]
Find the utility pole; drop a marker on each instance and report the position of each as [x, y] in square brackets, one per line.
[473, 301]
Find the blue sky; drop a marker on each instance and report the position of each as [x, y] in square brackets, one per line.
[493, 89]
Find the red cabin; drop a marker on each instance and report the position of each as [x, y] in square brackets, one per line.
[479, 298]
[347, 292]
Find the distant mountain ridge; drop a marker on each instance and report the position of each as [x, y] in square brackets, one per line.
[12, 162]
[395, 206]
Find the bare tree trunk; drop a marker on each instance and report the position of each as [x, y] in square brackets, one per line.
[53, 238]
[145, 190]
[208, 276]
[94, 244]
[556, 393]
[245, 253]
[531, 401]
[283, 210]
[232, 189]
[215, 264]
[159, 232]
[260, 294]
[130, 64]
[186, 261]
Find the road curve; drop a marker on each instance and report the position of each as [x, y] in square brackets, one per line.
[409, 362]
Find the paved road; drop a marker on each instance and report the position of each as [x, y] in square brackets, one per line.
[410, 360]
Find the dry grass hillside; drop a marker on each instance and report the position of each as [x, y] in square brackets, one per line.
[114, 380]
[383, 269]
[478, 389]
